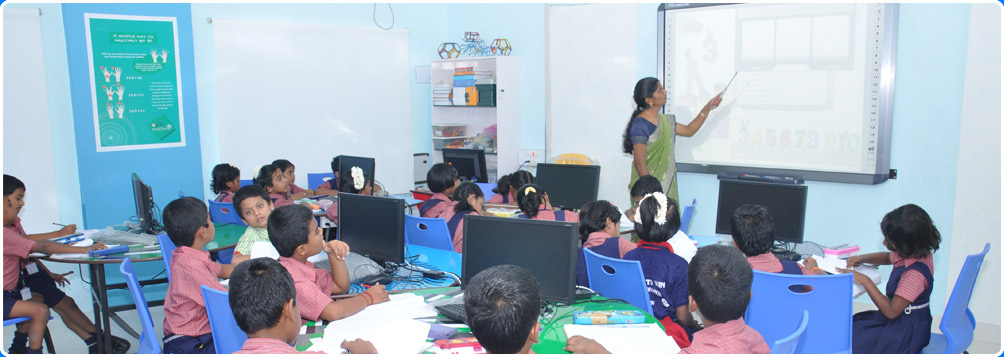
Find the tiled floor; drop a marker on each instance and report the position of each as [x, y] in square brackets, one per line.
[65, 341]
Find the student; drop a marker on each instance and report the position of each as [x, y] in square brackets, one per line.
[645, 185]
[287, 168]
[467, 199]
[254, 207]
[355, 182]
[720, 283]
[442, 180]
[226, 181]
[753, 233]
[902, 323]
[599, 230]
[330, 187]
[21, 275]
[275, 183]
[535, 204]
[665, 272]
[263, 300]
[505, 193]
[295, 235]
[186, 324]
[502, 305]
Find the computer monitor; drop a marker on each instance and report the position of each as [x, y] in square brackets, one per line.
[786, 203]
[569, 186]
[470, 163]
[143, 196]
[368, 164]
[546, 248]
[372, 226]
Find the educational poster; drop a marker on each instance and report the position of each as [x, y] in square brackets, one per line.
[137, 83]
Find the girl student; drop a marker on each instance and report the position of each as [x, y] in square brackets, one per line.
[467, 199]
[354, 182]
[442, 180]
[331, 186]
[657, 220]
[534, 203]
[226, 181]
[505, 193]
[599, 230]
[275, 183]
[287, 168]
[902, 323]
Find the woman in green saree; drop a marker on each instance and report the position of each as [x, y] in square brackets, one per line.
[650, 136]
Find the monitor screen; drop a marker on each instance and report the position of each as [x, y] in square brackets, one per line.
[368, 164]
[786, 203]
[372, 226]
[143, 197]
[569, 186]
[546, 248]
[470, 163]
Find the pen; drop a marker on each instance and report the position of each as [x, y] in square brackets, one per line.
[59, 224]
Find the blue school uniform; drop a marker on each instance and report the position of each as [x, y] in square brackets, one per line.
[666, 278]
[908, 333]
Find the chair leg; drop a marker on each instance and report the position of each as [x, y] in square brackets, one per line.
[48, 342]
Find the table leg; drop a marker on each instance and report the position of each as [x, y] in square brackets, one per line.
[101, 297]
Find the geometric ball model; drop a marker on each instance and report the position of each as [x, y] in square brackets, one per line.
[501, 47]
[471, 36]
[449, 50]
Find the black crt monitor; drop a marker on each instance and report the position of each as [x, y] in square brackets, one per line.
[470, 163]
[546, 248]
[367, 164]
[569, 186]
[786, 203]
[372, 226]
[143, 197]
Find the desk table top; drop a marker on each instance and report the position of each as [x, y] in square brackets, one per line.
[226, 237]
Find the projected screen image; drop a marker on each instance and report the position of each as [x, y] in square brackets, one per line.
[805, 95]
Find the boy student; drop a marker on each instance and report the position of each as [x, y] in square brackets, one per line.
[263, 300]
[753, 233]
[442, 180]
[720, 285]
[29, 288]
[186, 325]
[502, 305]
[295, 235]
[254, 207]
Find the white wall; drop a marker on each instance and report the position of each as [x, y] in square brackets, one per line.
[978, 183]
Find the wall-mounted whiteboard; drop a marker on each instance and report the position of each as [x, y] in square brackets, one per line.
[307, 93]
[812, 94]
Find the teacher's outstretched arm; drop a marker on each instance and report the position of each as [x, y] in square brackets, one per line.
[695, 125]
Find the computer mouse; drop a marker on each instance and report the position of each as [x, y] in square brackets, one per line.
[375, 279]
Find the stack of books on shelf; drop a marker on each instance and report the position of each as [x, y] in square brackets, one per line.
[463, 86]
[441, 94]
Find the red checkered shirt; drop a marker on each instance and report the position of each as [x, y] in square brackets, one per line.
[313, 287]
[732, 337]
[458, 233]
[269, 346]
[15, 254]
[184, 308]
[279, 200]
[768, 262]
[912, 283]
[544, 214]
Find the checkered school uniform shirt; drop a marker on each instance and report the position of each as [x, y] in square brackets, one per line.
[269, 346]
[912, 283]
[732, 337]
[15, 254]
[768, 262]
[313, 287]
[184, 308]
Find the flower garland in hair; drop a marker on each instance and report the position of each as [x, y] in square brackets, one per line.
[528, 190]
[357, 178]
[660, 214]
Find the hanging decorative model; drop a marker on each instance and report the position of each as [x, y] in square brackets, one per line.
[501, 47]
[473, 46]
[449, 50]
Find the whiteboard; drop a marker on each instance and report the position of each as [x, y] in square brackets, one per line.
[307, 93]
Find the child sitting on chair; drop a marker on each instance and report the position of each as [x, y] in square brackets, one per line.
[263, 300]
[330, 187]
[442, 180]
[467, 199]
[275, 183]
[502, 305]
[753, 233]
[296, 236]
[226, 181]
[287, 168]
[253, 206]
[505, 193]
[186, 324]
[355, 182]
[599, 230]
[535, 204]
[645, 185]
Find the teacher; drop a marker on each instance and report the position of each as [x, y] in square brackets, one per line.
[650, 136]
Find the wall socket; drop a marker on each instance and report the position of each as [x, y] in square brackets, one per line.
[535, 156]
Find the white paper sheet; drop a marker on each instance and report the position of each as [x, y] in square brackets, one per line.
[624, 339]
[683, 246]
[394, 336]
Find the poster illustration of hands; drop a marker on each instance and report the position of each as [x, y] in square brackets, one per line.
[137, 82]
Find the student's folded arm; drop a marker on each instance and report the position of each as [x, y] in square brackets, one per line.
[226, 269]
[340, 274]
[337, 310]
[56, 248]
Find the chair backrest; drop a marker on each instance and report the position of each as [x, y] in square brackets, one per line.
[573, 159]
[314, 180]
[787, 345]
[428, 232]
[247, 182]
[486, 189]
[227, 336]
[224, 212]
[958, 322]
[422, 197]
[148, 341]
[166, 249]
[618, 279]
[688, 215]
[775, 310]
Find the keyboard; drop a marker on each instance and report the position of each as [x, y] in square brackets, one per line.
[454, 312]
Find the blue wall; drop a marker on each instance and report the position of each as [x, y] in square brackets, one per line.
[105, 180]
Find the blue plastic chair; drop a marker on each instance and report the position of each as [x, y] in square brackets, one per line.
[434, 235]
[148, 342]
[227, 336]
[247, 182]
[166, 249]
[224, 212]
[958, 323]
[774, 310]
[618, 279]
[486, 188]
[314, 180]
[787, 345]
[688, 215]
[47, 338]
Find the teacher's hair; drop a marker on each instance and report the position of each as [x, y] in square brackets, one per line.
[643, 90]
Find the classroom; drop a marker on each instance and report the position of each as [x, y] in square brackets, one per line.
[249, 83]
